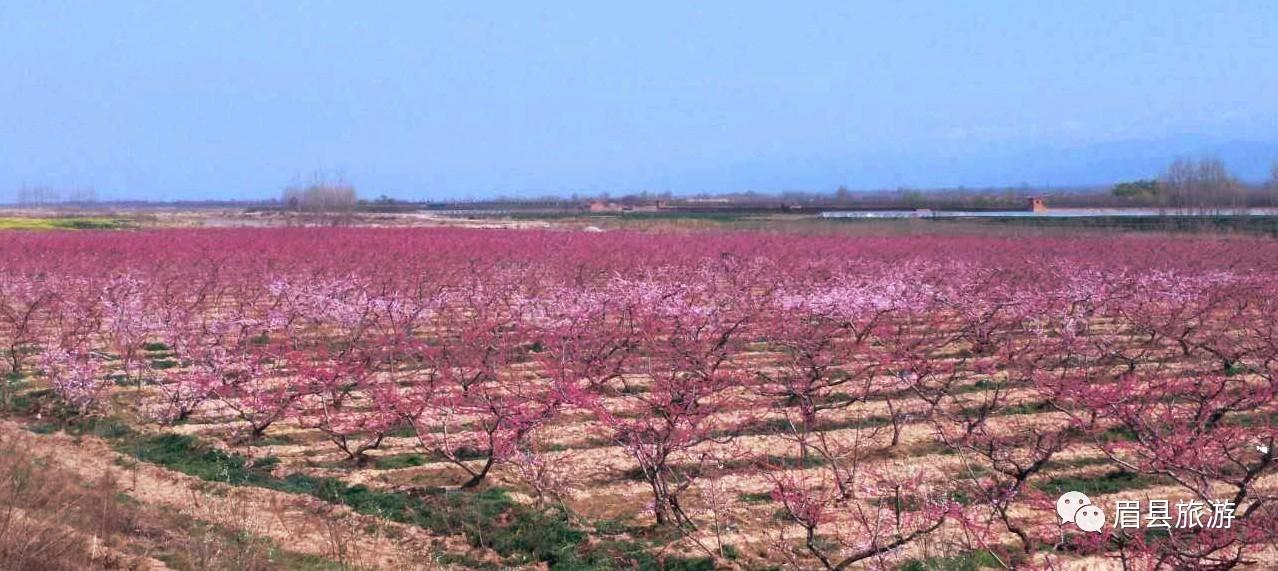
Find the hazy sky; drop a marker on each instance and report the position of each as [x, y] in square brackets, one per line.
[172, 100]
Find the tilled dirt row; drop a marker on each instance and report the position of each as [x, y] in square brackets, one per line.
[295, 522]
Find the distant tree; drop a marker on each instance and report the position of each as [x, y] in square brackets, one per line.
[1201, 186]
[1144, 188]
[910, 197]
[82, 196]
[1272, 186]
[321, 197]
[38, 196]
[842, 194]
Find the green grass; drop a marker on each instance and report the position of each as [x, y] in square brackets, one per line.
[588, 216]
[756, 497]
[771, 426]
[1080, 462]
[489, 518]
[399, 461]
[84, 223]
[258, 549]
[1117, 433]
[811, 461]
[1108, 483]
[970, 561]
[187, 455]
[404, 430]
[1266, 225]
[1251, 420]
[103, 427]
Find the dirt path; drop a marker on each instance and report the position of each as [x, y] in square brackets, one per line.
[297, 523]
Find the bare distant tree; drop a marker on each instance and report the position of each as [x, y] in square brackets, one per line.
[82, 196]
[1272, 186]
[843, 194]
[41, 196]
[1201, 187]
[321, 197]
[36, 196]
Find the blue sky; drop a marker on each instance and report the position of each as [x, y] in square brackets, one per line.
[168, 100]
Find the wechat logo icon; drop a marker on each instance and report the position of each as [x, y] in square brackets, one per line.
[1077, 508]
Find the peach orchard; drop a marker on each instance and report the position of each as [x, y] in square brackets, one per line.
[815, 401]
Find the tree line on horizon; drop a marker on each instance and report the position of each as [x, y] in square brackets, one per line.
[1187, 186]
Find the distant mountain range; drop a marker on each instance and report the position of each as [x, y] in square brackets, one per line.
[1106, 163]
[984, 166]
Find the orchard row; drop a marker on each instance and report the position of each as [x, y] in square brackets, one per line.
[1159, 355]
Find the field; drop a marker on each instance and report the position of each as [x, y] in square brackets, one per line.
[61, 223]
[394, 398]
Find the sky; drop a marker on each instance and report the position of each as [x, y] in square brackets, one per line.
[448, 100]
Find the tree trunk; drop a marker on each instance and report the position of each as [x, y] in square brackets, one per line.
[479, 477]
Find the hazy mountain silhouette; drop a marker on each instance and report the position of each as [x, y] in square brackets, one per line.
[1106, 163]
[1098, 164]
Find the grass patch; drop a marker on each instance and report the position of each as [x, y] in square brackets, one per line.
[162, 364]
[777, 461]
[103, 427]
[275, 440]
[185, 454]
[970, 561]
[82, 223]
[399, 461]
[1080, 462]
[1108, 483]
[238, 549]
[1252, 420]
[403, 430]
[774, 425]
[1117, 433]
[521, 534]
[755, 497]
[1264, 225]
[1025, 408]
